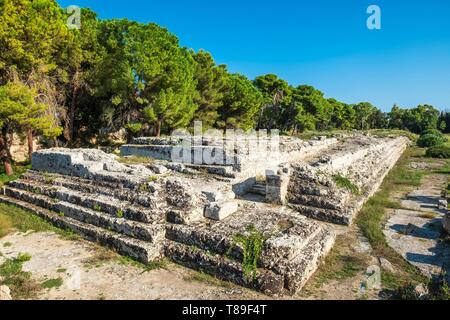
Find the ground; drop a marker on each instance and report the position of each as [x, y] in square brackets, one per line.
[51, 264]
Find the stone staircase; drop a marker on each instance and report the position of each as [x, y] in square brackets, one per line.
[258, 188]
[314, 193]
[137, 222]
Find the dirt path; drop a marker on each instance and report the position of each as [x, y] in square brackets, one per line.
[90, 272]
[415, 230]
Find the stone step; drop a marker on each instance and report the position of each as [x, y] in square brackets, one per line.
[327, 215]
[224, 268]
[280, 247]
[258, 188]
[144, 199]
[304, 265]
[320, 201]
[142, 251]
[148, 232]
[204, 239]
[110, 205]
[221, 170]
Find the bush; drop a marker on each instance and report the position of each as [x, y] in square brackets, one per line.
[430, 140]
[432, 131]
[442, 152]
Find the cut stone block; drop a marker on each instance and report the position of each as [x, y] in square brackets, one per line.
[220, 210]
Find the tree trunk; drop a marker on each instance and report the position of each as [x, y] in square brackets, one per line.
[4, 152]
[68, 126]
[158, 127]
[30, 143]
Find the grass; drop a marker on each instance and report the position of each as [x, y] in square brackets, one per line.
[154, 265]
[344, 183]
[340, 264]
[14, 218]
[18, 168]
[373, 216]
[383, 133]
[135, 160]
[21, 284]
[203, 277]
[429, 215]
[252, 248]
[52, 283]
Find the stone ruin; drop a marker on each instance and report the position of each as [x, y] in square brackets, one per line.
[204, 215]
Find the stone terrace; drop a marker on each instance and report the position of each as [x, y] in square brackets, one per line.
[197, 215]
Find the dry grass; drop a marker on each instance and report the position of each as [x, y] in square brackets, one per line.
[135, 160]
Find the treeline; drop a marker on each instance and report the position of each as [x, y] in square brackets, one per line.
[71, 86]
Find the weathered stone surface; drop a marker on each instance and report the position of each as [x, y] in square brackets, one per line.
[386, 265]
[363, 161]
[5, 293]
[191, 213]
[220, 210]
[88, 163]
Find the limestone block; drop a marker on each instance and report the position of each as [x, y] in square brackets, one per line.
[158, 169]
[5, 293]
[220, 210]
[216, 196]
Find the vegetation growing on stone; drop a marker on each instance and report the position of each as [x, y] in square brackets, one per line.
[345, 183]
[119, 214]
[252, 248]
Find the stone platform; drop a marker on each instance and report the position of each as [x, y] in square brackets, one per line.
[202, 216]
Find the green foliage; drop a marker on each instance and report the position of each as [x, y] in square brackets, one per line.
[343, 182]
[430, 140]
[252, 246]
[242, 100]
[432, 131]
[20, 282]
[122, 74]
[13, 217]
[211, 83]
[97, 207]
[52, 283]
[441, 151]
[416, 120]
[119, 214]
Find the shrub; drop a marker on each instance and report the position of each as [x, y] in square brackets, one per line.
[442, 152]
[432, 131]
[430, 140]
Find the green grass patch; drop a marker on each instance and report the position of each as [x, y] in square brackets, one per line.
[52, 283]
[384, 133]
[7, 244]
[203, 277]
[372, 218]
[21, 284]
[344, 183]
[340, 264]
[61, 270]
[252, 247]
[154, 265]
[14, 218]
[135, 160]
[429, 215]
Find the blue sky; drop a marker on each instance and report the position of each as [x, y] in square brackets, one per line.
[324, 43]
